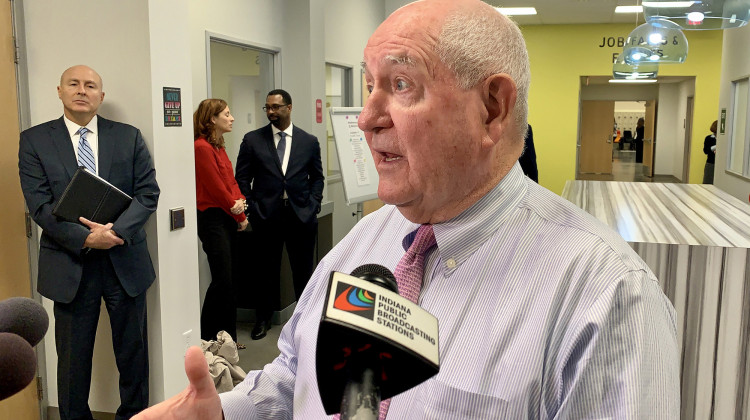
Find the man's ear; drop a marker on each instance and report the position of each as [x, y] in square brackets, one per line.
[499, 94]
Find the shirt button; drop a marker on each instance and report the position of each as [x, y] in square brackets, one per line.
[451, 263]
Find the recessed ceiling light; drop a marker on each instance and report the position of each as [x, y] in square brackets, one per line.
[632, 80]
[516, 11]
[629, 9]
[668, 3]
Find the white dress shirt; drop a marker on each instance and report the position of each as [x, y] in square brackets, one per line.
[277, 139]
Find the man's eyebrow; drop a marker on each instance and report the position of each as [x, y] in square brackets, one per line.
[403, 60]
[73, 79]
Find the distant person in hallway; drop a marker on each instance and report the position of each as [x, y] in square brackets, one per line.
[638, 140]
[528, 158]
[709, 148]
[81, 264]
[221, 213]
[279, 169]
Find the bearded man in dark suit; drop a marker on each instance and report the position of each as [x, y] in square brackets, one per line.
[82, 263]
[280, 172]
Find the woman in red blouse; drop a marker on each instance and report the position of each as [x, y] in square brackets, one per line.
[221, 212]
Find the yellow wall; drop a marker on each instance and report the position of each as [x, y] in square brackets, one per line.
[560, 54]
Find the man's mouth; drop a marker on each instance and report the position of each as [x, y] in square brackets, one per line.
[388, 157]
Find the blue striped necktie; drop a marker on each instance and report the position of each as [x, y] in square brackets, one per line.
[85, 154]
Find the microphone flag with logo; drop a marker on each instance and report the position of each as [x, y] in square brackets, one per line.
[370, 334]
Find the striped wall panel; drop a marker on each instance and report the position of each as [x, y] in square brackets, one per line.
[695, 238]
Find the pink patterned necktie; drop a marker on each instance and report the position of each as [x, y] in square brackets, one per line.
[409, 273]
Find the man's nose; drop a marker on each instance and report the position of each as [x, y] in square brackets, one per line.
[374, 115]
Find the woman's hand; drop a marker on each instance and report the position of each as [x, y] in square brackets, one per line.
[238, 207]
[242, 225]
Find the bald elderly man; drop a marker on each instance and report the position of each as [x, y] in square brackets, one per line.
[543, 311]
[82, 263]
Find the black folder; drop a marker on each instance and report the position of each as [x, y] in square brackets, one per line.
[92, 197]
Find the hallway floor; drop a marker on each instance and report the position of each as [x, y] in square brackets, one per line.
[624, 168]
[258, 352]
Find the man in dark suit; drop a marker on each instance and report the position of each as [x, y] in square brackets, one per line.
[280, 172]
[79, 264]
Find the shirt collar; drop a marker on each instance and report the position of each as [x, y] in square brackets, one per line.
[458, 238]
[73, 127]
[288, 130]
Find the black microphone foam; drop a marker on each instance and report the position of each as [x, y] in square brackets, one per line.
[17, 364]
[376, 273]
[24, 317]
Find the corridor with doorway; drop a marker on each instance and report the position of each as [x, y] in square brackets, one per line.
[625, 169]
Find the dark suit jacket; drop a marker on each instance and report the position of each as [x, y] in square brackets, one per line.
[46, 162]
[261, 180]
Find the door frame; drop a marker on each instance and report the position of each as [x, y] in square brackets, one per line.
[225, 39]
[688, 139]
[16, 34]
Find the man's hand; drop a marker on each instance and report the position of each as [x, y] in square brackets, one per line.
[242, 225]
[199, 401]
[101, 236]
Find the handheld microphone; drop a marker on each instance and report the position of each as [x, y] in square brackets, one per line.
[372, 343]
[24, 317]
[17, 364]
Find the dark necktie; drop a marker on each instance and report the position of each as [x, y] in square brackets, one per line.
[409, 273]
[281, 147]
[85, 154]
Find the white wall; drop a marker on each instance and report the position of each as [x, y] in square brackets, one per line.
[733, 66]
[132, 85]
[174, 302]
[348, 26]
[392, 5]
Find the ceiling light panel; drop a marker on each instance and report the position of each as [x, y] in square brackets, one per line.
[629, 9]
[516, 11]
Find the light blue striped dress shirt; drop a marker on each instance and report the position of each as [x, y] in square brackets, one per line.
[544, 313]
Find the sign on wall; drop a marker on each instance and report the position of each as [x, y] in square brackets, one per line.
[172, 107]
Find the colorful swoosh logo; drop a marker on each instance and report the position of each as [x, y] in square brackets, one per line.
[354, 299]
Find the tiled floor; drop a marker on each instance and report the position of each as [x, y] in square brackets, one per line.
[624, 168]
